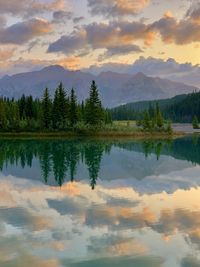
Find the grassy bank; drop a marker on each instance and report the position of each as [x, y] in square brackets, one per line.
[124, 132]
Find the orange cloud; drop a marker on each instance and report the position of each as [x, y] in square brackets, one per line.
[120, 217]
[28, 8]
[179, 32]
[39, 223]
[6, 54]
[23, 32]
[59, 246]
[127, 247]
[71, 63]
[168, 14]
[117, 7]
[103, 35]
[130, 7]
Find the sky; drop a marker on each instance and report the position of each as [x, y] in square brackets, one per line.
[78, 34]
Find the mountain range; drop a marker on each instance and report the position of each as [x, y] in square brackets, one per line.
[115, 88]
[155, 67]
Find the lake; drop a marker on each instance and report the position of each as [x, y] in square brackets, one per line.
[92, 203]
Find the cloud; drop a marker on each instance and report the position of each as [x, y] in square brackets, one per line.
[190, 261]
[22, 32]
[78, 19]
[27, 8]
[170, 69]
[69, 44]
[119, 217]
[33, 204]
[102, 35]
[71, 63]
[116, 7]
[66, 206]
[182, 221]
[19, 65]
[126, 33]
[117, 245]
[6, 54]
[194, 12]
[160, 67]
[120, 50]
[180, 32]
[2, 21]
[61, 16]
[20, 217]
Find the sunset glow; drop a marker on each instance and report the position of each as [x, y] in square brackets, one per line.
[81, 33]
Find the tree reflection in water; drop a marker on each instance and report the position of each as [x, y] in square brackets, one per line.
[63, 156]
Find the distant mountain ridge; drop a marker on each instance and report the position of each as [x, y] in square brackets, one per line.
[115, 88]
[155, 67]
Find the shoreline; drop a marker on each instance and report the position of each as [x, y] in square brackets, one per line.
[100, 134]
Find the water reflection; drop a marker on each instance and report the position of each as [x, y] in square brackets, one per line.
[61, 158]
[144, 211]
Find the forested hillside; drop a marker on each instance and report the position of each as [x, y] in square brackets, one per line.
[184, 110]
[181, 108]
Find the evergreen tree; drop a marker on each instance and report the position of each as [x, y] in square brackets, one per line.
[159, 118]
[195, 122]
[46, 110]
[22, 106]
[94, 111]
[29, 108]
[2, 115]
[146, 121]
[93, 156]
[169, 127]
[45, 160]
[107, 117]
[158, 149]
[82, 111]
[13, 116]
[55, 111]
[60, 108]
[63, 103]
[151, 111]
[73, 113]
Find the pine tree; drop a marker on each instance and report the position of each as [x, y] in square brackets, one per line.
[159, 118]
[2, 116]
[46, 110]
[93, 110]
[63, 106]
[55, 111]
[169, 128]
[146, 122]
[107, 117]
[13, 115]
[22, 106]
[82, 111]
[195, 122]
[60, 111]
[151, 111]
[29, 109]
[73, 113]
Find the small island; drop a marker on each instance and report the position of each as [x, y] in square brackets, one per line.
[65, 116]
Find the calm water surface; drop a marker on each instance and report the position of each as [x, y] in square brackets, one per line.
[92, 203]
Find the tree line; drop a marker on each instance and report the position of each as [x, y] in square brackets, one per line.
[60, 159]
[181, 108]
[153, 120]
[62, 112]
[57, 158]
